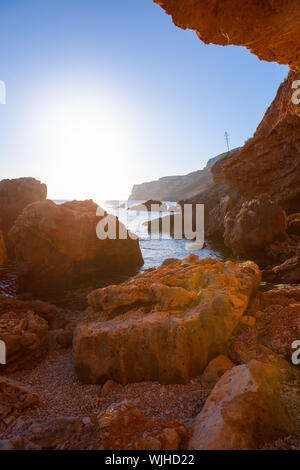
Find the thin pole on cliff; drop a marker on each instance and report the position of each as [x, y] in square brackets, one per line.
[227, 139]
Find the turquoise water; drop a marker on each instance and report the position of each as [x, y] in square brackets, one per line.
[155, 251]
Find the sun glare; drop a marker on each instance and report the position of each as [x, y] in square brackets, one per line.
[88, 146]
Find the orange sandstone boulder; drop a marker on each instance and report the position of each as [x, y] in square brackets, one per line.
[245, 410]
[163, 325]
[56, 247]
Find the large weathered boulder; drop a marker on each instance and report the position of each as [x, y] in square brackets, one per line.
[255, 25]
[258, 223]
[244, 410]
[56, 246]
[15, 195]
[270, 161]
[165, 324]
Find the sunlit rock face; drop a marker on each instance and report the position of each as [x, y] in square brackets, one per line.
[269, 29]
[15, 195]
[270, 162]
[56, 247]
[165, 324]
[244, 410]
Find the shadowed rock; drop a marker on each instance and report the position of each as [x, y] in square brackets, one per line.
[56, 247]
[15, 195]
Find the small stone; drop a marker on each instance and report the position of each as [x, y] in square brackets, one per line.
[86, 420]
[108, 387]
[248, 320]
[150, 443]
[215, 369]
[172, 439]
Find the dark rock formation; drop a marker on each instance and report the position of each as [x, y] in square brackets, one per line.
[56, 246]
[293, 227]
[289, 271]
[258, 223]
[15, 195]
[15, 399]
[24, 334]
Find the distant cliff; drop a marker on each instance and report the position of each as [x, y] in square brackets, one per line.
[175, 188]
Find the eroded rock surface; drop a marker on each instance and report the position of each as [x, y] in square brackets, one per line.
[163, 325]
[215, 369]
[56, 246]
[268, 29]
[15, 399]
[277, 326]
[24, 329]
[270, 162]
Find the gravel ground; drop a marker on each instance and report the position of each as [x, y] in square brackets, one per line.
[61, 394]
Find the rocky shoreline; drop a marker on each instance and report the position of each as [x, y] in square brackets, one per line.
[196, 354]
[199, 334]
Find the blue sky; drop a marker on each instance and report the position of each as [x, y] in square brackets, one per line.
[102, 95]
